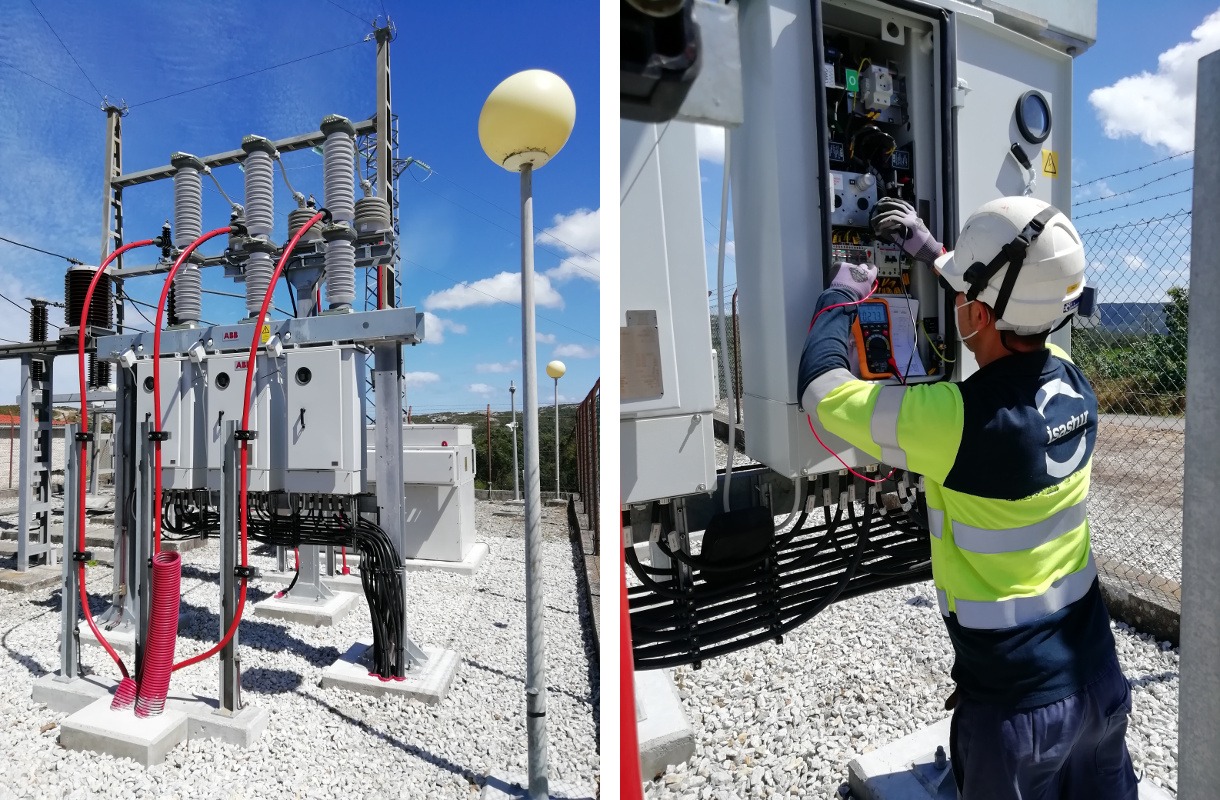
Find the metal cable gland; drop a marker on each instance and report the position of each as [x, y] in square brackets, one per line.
[253, 142]
[339, 230]
[372, 214]
[334, 123]
[180, 160]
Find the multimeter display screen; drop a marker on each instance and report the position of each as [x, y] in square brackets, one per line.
[872, 314]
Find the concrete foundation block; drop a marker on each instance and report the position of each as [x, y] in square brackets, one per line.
[467, 566]
[665, 735]
[97, 729]
[121, 639]
[906, 770]
[428, 685]
[205, 720]
[324, 612]
[34, 579]
[514, 787]
[70, 696]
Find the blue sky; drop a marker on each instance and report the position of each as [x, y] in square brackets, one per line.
[1133, 104]
[460, 225]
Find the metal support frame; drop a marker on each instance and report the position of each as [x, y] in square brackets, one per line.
[230, 508]
[69, 642]
[112, 207]
[34, 501]
[140, 569]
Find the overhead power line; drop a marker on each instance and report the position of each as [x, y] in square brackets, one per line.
[45, 83]
[69, 52]
[248, 74]
[349, 13]
[69, 259]
[1134, 189]
[1134, 169]
[26, 310]
[1134, 203]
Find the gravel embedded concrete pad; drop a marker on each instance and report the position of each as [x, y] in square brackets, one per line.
[327, 612]
[322, 743]
[467, 566]
[122, 640]
[68, 697]
[428, 685]
[97, 729]
[514, 787]
[665, 736]
[34, 579]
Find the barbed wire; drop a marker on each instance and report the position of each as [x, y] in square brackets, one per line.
[1133, 169]
[1133, 189]
[1135, 203]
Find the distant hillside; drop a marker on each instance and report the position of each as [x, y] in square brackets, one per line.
[1128, 318]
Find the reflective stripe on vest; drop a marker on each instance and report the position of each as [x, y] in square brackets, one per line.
[1020, 610]
[884, 425]
[1012, 540]
[936, 521]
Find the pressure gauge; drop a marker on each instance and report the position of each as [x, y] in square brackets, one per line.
[1034, 116]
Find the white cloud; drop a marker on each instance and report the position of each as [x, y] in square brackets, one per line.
[1092, 190]
[576, 351]
[709, 141]
[545, 338]
[730, 250]
[1134, 262]
[420, 378]
[504, 286]
[511, 366]
[435, 327]
[481, 388]
[579, 235]
[1159, 107]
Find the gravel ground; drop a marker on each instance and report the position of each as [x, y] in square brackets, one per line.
[785, 720]
[328, 743]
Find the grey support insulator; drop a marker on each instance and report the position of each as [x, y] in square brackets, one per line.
[372, 214]
[340, 266]
[188, 293]
[260, 185]
[297, 218]
[259, 268]
[339, 167]
[188, 198]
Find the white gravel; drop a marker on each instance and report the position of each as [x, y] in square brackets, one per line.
[785, 720]
[332, 743]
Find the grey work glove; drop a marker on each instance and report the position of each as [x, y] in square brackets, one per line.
[894, 220]
[856, 278]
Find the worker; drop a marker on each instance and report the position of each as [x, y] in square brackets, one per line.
[1041, 704]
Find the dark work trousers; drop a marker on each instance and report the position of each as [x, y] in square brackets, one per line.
[1071, 749]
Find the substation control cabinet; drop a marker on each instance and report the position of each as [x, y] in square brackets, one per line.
[183, 458]
[847, 102]
[323, 422]
[438, 464]
[667, 387]
[226, 386]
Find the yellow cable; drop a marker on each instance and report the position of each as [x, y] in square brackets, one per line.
[940, 354]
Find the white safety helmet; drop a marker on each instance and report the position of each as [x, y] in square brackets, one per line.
[1021, 256]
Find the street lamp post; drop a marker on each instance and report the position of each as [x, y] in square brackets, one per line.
[525, 121]
[512, 402]
[555, 369]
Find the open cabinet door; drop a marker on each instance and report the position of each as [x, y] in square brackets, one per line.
[995, 69]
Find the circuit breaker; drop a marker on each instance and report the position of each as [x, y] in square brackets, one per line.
[226, 386]
[323, 419]
[183, 460]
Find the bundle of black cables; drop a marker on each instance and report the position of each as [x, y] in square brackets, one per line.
[695, 609]
[321, 522]
[187, 515]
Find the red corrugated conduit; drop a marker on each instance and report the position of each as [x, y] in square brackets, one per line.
[126, 693]
[162, 634]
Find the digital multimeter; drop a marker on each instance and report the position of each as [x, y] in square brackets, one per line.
[874, 346]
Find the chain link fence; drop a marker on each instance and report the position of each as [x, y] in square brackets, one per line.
[1133, 350]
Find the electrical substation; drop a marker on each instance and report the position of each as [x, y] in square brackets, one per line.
[828, 108]
[285, 434]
